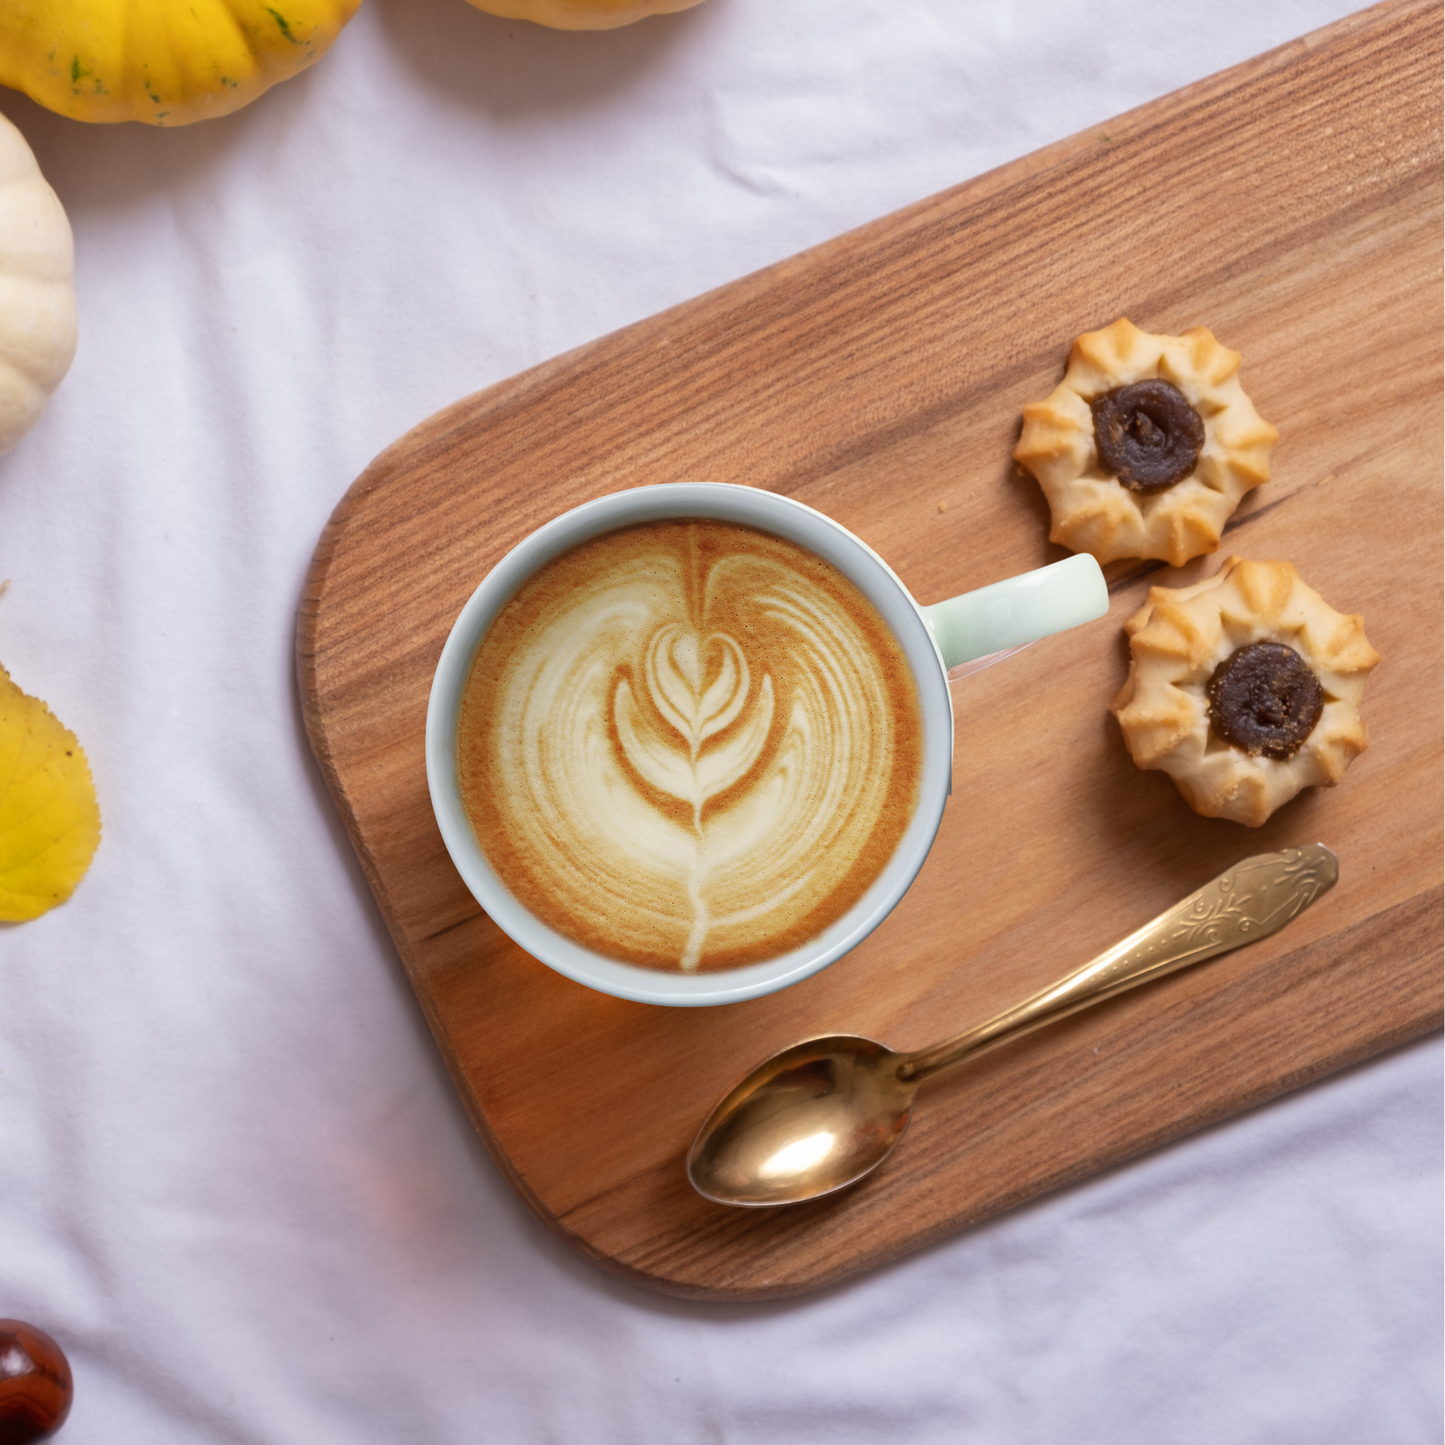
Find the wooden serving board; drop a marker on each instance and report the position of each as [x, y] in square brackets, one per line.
[1291, 204]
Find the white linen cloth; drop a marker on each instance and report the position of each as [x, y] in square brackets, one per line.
[234, 1180]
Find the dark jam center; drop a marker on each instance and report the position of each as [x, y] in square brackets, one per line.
[1265, 700]
[1147, 435]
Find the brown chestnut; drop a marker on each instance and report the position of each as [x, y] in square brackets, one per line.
[35, 1384]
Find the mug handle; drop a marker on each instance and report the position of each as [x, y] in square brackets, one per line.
[1018, 610]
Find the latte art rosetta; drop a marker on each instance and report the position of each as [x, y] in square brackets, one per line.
[688, 744]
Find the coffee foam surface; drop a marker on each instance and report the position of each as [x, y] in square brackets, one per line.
[689, 744]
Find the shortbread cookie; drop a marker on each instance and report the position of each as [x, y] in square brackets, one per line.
[1244, 688]
[1147, 445]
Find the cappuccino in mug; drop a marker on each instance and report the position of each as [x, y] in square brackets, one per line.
[688, 744]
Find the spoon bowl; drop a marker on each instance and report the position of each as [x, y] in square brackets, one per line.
[812, 1119]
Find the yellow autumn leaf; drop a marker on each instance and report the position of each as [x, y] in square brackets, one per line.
[49, 819]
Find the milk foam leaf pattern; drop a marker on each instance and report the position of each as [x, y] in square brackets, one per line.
[675, 664]
[49, 819]
[697, 710]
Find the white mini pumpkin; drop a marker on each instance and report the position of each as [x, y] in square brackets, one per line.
[37, 290]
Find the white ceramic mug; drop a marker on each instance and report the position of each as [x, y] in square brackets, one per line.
[934, 640]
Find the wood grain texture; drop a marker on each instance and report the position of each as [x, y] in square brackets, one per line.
[1293, 205]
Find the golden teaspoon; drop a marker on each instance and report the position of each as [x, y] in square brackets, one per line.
[822, 1114]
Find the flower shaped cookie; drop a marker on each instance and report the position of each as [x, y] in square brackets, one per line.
[1244, 688]
[1147, 445]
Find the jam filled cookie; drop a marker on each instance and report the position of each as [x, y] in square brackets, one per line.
[1244, 688]
[1147, 445]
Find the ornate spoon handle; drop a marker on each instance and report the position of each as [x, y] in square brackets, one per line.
[1253, 899]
